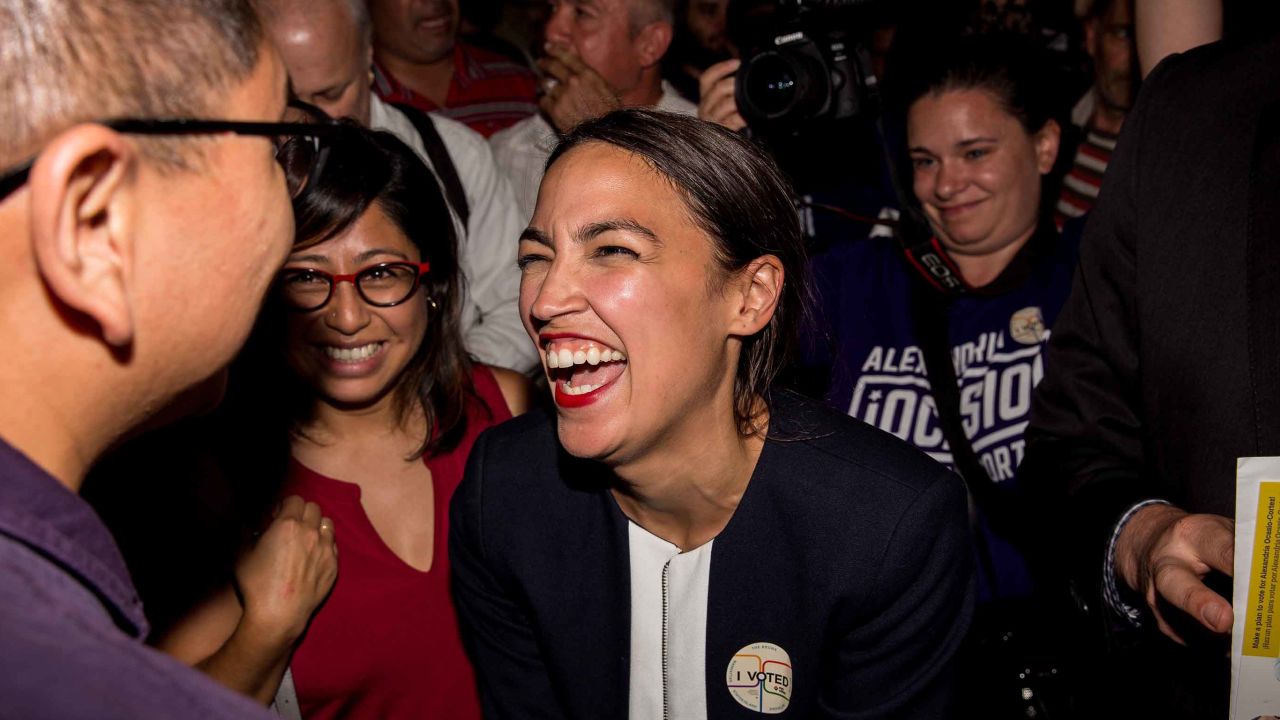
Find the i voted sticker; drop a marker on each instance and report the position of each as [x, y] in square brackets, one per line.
[759, 678]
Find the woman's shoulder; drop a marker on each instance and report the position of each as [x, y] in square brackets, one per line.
[527, 489]
[850, 452]
[840, 489]
[505, 393]
[865, 254]
[866, 267]
[525, 444]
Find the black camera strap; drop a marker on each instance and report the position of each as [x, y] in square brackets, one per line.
[933, 264]
[1001, 507]
[929, 314]
[440, 160]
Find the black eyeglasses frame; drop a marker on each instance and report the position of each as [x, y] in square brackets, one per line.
[15, 177]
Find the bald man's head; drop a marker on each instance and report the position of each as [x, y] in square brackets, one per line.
[327, 49]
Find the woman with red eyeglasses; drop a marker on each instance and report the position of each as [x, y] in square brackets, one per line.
[384, 405]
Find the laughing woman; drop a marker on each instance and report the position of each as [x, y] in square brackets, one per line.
[682, 541]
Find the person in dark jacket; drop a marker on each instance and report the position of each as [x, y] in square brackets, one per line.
[681, 540]
[1162, 371]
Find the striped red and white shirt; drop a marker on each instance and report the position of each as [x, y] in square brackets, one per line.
[1081, 185]
[488, 91]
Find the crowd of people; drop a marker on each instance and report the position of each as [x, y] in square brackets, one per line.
[407, 369]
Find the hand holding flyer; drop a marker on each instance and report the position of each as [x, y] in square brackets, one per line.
[1255, 638]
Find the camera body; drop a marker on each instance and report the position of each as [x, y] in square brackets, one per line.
[810, 69]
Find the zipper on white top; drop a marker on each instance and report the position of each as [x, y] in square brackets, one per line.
[666, 633]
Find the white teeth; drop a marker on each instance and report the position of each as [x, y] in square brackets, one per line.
[564, 357]
[578, 390]
[352, 354]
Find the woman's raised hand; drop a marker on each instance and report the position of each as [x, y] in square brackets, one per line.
[290, 571]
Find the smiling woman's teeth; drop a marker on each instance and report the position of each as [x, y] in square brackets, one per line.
[579, 389]
[564, 357]
[352, 354]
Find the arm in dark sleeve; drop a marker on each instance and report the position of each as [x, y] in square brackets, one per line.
[510, 672]
[1085, 454]
[898, 661]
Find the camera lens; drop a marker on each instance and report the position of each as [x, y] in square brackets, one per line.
[772, 83]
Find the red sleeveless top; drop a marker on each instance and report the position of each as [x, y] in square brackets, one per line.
[385, 644]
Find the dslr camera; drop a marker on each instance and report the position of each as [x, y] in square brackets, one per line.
[809, 69]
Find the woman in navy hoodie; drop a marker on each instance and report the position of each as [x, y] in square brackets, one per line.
[979, 291]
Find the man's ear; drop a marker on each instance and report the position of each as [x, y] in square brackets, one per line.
[82, 226]
[760, 287]
[651, 43]
[1091, 37]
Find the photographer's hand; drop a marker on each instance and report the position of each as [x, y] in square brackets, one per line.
[718, 104]
[1165, 553]
[574, 91]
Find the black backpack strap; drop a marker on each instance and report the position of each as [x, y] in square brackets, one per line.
[440, 160]
[929, 310]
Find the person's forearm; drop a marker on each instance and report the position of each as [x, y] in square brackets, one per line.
[251, 662]
[1165, 27]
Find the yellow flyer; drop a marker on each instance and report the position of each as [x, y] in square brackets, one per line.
[1255, 636]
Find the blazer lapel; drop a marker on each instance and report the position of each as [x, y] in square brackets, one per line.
[593, 618]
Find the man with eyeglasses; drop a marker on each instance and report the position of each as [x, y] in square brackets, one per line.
[138, 245]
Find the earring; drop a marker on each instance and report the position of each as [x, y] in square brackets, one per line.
[432, 303]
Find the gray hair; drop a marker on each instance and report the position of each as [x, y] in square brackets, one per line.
[68, 61]
[644, 12]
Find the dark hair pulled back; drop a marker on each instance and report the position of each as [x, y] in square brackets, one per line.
[1006, 65]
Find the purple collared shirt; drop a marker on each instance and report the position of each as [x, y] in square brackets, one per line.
[71, 623]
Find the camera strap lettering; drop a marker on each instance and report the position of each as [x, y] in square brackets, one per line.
[934, 265]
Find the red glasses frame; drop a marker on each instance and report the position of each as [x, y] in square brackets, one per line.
[422, 269]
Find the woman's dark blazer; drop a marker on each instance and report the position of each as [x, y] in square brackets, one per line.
[849, 550]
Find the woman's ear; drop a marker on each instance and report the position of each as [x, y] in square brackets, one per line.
[82, 197]
[1046, 142]
[760, 288]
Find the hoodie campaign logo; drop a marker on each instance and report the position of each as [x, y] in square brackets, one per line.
[759, 678]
